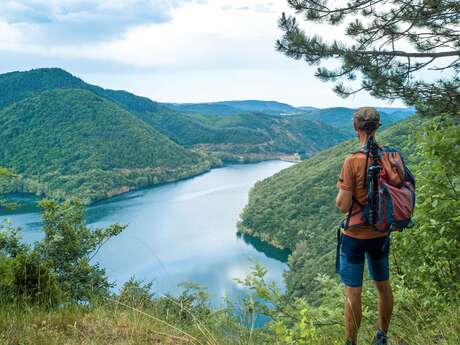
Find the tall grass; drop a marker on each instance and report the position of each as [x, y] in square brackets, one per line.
[113, 322]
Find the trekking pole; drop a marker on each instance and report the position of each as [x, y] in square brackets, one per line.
[374, 173]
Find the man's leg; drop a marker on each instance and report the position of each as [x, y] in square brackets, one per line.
[385, 304]
[353, 313]
[379, 270]
[351, 268]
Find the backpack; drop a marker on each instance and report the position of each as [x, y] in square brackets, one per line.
[390, 190]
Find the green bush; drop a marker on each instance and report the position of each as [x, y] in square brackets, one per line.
[24, 276]
[58, 268]
[136, 294]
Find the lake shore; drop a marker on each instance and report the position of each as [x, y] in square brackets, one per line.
[33, 186]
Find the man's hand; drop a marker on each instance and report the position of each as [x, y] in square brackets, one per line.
[344, 200]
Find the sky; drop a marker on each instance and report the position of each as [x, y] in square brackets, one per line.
[167, 50]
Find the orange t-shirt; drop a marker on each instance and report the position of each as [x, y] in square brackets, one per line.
[351, 179]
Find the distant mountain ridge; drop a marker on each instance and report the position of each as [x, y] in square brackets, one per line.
[224, 108]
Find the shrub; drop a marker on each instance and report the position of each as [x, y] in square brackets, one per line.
[58, 268]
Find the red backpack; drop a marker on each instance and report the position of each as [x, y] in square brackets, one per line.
[390, 190]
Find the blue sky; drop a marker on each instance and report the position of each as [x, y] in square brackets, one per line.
[168, 50]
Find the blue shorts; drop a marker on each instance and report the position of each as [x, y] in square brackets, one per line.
[352, 256]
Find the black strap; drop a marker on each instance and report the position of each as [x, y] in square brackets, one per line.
[350, 211]
[387, 240]
[347, 222]
[337, 253]
[370, 144]
[365, 169]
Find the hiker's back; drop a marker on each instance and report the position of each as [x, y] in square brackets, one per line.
[393, 175]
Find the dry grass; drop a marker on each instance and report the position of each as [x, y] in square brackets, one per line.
[82, 326]
[115, 324]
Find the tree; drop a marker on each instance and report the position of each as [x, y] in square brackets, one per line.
[69, 247]
[5, 176]
[60, 266]
[389, 43]
[434, 270]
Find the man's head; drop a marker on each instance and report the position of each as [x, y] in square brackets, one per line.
[367, 120]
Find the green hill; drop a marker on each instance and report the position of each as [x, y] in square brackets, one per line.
[269, 135]
[75, 143]
[16, 86]
[295, 208]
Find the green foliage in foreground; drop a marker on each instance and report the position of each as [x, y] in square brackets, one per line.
[137, 316]
[426, 259]
[58, 268]
[295, 322]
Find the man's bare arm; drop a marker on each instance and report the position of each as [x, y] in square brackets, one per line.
[344, 200]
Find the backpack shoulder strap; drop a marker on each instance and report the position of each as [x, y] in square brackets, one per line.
[389, 149]
[353, 201]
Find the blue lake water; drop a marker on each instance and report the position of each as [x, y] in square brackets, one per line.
[179, 232]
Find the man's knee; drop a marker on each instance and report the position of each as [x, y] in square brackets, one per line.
[353, 293]
[383, 287]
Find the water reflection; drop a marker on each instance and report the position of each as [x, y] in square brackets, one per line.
[263, 247]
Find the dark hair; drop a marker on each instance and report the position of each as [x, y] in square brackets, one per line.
[369, 126]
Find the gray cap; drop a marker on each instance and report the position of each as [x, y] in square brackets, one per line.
[367, 119]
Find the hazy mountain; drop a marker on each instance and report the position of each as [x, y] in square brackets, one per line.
[225, 108]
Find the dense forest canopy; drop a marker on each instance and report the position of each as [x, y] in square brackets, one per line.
[71, 142]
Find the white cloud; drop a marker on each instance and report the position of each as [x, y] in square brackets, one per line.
[179, 50]
[66, 21]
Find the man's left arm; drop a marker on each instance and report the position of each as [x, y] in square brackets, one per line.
[345, 196]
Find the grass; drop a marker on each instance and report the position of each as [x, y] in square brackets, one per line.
[114, 322]
[118, 324]
[99, 325]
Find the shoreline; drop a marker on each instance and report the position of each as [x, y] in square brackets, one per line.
[191, 177]
[127, 189]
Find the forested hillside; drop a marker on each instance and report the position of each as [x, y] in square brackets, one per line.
[269, 135]
[295, 208]
[71, 142]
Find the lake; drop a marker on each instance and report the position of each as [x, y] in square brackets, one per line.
[179, 232]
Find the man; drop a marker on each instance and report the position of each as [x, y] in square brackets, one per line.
[359, 242]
